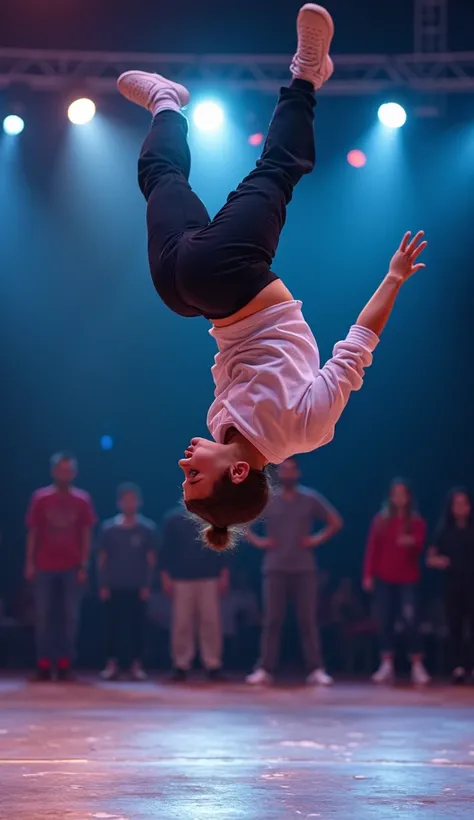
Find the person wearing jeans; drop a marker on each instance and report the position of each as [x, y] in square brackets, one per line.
[392, 573]
[127, 557]
[59, 522]
[195, 579]
[290, 571]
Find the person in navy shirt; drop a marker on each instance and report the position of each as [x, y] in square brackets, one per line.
[126, 557]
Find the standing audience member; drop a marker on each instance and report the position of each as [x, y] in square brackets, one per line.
[195, 578]
[289, 571]
[453, 553]
[392, 573]
[127, 557]
[59, 522]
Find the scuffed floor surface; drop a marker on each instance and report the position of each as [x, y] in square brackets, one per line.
[130, 752]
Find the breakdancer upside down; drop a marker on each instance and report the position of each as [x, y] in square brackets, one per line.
[272, 399]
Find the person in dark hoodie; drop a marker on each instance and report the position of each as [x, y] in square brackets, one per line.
[452, 552]
[126, 558]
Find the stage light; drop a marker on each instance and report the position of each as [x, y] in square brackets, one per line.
[82, 111]
[356, 158]
[106, 442]
[208, 116]
[13, 125]
[392, 115]
[256, 139]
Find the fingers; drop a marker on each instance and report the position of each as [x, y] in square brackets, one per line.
[415, 254]
[417, 267]
[414, 242]
[405, 241]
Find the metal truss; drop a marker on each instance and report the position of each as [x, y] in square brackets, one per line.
[355, 74]
[431, 26]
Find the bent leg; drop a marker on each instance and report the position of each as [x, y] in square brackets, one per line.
[239, 245]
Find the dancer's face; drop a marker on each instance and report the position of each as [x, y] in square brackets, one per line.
[205, 462]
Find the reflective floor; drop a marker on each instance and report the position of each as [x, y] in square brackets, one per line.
[70, 752]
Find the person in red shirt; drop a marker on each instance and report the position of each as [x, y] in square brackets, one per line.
[59, 522]
[392, 573]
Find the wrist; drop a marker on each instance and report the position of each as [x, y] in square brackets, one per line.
[393, 278]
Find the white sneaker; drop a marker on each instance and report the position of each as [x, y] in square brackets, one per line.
[315, 29]
[138, 673]
[384, 673]
[110, 672]
[259, 678]
[148, 90]
[419, 675]
[319, 678]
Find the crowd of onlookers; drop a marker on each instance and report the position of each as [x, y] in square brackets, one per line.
[152, 581]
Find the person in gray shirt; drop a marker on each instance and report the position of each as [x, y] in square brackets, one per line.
[126, 561]
[289, 570]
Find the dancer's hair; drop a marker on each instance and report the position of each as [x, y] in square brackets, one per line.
[230, 505]
[448, 520]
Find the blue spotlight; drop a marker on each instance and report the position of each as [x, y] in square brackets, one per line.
[13, 125]
[106, 442]
[208, 116]
[392, 115]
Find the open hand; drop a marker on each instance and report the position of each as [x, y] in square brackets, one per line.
[403, 261]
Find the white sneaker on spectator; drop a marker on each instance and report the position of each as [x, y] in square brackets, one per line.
[385, 673]
[419, 675]
[110, 672]
[315, 31]
[259, 678]
[319, 677]
[138, 673]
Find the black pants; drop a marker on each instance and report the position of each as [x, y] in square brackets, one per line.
[215, 267]
[301, 588]
[460, 616]
[125, 626]
[393, 603]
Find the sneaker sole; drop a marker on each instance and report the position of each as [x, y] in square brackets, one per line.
[182, 92]
[321, 12]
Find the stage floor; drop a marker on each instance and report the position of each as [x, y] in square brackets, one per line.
[130, 752]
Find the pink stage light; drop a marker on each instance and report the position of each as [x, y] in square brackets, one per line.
[356, 158]
[256, 139]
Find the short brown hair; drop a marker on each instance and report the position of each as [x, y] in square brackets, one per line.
[230, 505]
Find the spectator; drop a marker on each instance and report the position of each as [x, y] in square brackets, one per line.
[127, 558]
[59, 522]
[290, 570]
[392, 573]
[195, 578]
[453, 553]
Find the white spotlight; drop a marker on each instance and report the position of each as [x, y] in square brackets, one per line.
[208, 116]
[392, 115]
[82, 111]
[13, 125]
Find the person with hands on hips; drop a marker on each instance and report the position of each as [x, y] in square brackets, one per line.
[289, 570]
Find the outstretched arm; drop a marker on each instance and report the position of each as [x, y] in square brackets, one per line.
[375, 315]
[345, 371]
